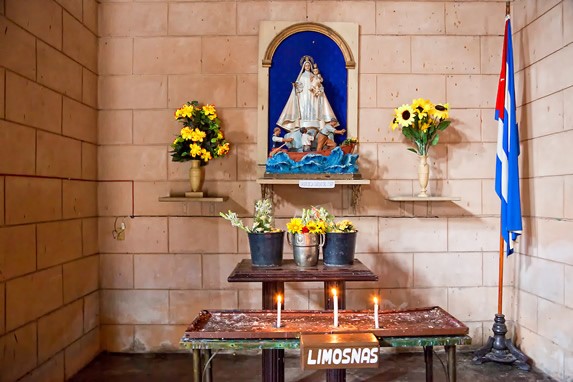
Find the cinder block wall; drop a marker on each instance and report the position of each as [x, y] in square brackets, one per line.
[49, 262]
[543, 37]
[175, 258]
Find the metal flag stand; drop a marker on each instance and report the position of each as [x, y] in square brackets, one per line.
[498, 348]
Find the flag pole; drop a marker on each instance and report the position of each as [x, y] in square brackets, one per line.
[501, 257]
[500, 282]
[498, 348]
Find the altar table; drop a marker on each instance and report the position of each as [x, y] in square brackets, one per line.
[250, 329]
[273, 279]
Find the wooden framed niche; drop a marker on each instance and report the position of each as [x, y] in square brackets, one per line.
[340, 35]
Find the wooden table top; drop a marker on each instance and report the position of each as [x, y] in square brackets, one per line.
[261, 324]
[288, 271]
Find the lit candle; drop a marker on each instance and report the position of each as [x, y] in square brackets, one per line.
[279, 311]
[335, 307]
[376, 312]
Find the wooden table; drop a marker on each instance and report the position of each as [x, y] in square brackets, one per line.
[250, 329]
[273, 279]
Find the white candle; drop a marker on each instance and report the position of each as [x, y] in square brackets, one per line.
[335, 307]
[376, 312]
[279, 311]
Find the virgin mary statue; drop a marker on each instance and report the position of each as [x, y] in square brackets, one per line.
[307, 105]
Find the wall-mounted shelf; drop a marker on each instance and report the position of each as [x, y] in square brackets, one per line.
[297, 181]
[210, 199]
[319, 182]
[411, 198]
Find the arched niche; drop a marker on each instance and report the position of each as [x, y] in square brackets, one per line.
[340, 38]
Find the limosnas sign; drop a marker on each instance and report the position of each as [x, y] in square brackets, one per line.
[339, 351]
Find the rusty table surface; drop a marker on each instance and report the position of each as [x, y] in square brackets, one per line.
[288, 271]
[261, 324]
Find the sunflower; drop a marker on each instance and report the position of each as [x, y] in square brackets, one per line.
[440, 111]
[404, 115]
[422, 105]
[321, 225]
[394, 125]
[312, 227]
[295, 225]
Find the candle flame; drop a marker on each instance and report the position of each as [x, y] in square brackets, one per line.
[279, 298]
[376, 300]
[333, 292]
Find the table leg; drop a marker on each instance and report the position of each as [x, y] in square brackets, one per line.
[451, 351]
[197, 365]
[429, 360]
[335, 375]
[206, 366]
[341, 288]
[273, 360]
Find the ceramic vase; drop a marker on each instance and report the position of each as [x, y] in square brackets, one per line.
[195, 175]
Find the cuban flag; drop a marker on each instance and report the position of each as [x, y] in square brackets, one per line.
[506, 164]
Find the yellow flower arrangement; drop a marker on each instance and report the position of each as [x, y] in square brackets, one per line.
[313, 220]
[421, 122]
[343, 226]
[201, 136]
[318, 220]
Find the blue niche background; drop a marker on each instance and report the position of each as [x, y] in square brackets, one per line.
[286, 66]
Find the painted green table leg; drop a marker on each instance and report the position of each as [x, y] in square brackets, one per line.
[429, 360]
[273, 367]
[206, 364]
[197, 365]
[451, 351]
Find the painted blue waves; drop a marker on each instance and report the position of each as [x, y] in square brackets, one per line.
[336, 163]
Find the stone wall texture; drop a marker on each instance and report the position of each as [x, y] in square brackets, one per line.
[87, 95]
[49, 261]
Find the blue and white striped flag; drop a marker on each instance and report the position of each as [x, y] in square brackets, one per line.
[506, 164]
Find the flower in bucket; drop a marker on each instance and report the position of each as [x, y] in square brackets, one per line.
[342, 226]
[313, 220]
[421, 122]
[201, 136]
[262, 219]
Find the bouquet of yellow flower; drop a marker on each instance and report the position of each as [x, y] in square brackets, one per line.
[421, 122]
[313, 220]
[201, 136]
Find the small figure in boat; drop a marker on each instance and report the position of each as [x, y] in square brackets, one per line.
[279, 142]
[306, 139]
[326, 135]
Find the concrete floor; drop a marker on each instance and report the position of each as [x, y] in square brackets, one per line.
[247, 367]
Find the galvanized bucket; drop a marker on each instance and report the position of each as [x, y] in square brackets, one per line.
[305, 248]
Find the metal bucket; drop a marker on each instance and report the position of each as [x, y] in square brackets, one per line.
[305, 248]
[266, 249]
[339, 248]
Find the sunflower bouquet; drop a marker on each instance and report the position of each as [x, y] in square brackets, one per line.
[313, 220]
[201, 136]
[421, 122]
